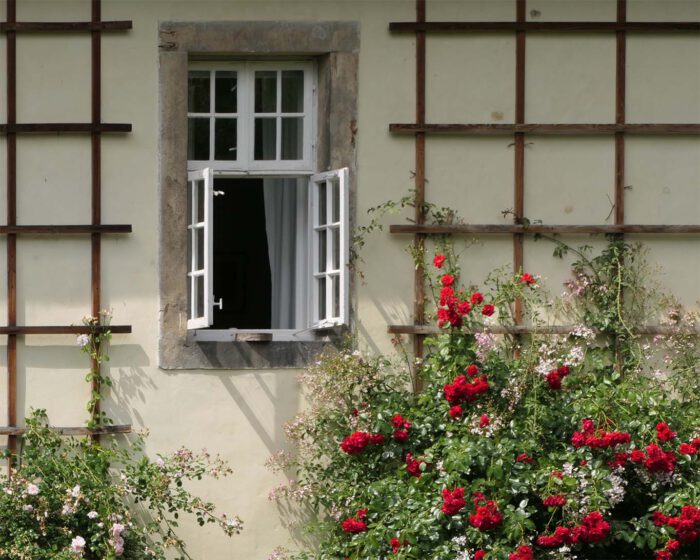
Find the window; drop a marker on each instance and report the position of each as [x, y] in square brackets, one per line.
[267, 245]
[327, 52]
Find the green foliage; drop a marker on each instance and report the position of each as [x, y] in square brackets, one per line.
[619, 379]
[71, 498]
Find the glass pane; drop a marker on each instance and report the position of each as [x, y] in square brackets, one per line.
[322, 211]
[336, 296]
[199, 295]
[322, 251]
[225, 139]
[200, 200]
[198, 92]
[190, 186]
[190, 311]
[198, 139]
[266, 92]
[335, 189]
[335, 233]
[225, 87]
[265, 139]
[292, 138]
[293, 91]
[321, 297]
[199, 233]
[190, 235]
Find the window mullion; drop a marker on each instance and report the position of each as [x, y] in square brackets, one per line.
[212, 112]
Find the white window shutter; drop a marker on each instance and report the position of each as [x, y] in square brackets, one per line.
[200, 224]
[329, 232]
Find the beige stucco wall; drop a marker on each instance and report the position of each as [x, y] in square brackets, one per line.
[470, 78]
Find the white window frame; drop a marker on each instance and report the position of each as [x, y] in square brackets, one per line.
[245, 116]
[330, 228]
[299, 169]
[194, 321]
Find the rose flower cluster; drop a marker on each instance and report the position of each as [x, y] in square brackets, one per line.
[463, 390]
[453, 307]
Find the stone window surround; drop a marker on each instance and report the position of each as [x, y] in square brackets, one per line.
[335, 47]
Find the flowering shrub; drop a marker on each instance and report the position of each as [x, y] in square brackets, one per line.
[69, 498]
[576, 445]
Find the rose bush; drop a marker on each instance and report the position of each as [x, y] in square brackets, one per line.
[582, 444]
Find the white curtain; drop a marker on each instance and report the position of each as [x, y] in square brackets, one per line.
[281, 226]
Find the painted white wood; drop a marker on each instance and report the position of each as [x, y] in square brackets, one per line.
[328, 273]
[202, 179]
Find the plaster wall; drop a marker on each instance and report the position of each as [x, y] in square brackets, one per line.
[470, 79]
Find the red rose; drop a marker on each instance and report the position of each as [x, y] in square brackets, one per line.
[487, 517]
[445, 294]
[659, 519]
[522, 553]
[401, 435]
[477, 298]
[472, 370]
[592, 529]
[663, 432]
[528, 279]
[456, 411]
[479, 554]
[659, 460]
[447, 280]
[687, 449]
[484, 421]
[353, 526]
[588, 426]
[563, 371]
[553, 380]
[559, 475]
[355, 443]
[464, 308]
[453, 501]
[376, 439]
[561, 536]
[438, 261]
[413, 466]
[554, 501]
[637, 456]
[488, 310]
[523, 458]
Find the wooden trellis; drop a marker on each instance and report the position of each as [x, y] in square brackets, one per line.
[95, 229]
[620, 128]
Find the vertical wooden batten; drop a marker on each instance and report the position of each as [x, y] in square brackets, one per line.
[620, 85]
[96, 179]
[419, 240]
[519, 182]
[11, 50]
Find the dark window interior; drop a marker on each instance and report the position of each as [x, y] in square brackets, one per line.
[241, 262]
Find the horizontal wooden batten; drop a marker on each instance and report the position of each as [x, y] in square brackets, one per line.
[581, 26]
[47, 128]
[524, 329]
[65, 229]
[64, 26]
[479, 229]
[72, 431]
[64, 329]
[544, 129]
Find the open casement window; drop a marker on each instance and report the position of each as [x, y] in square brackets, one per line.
[200, 194]
[329, 248]
[274, 249]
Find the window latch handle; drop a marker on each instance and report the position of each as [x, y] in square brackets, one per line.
[219, 304]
